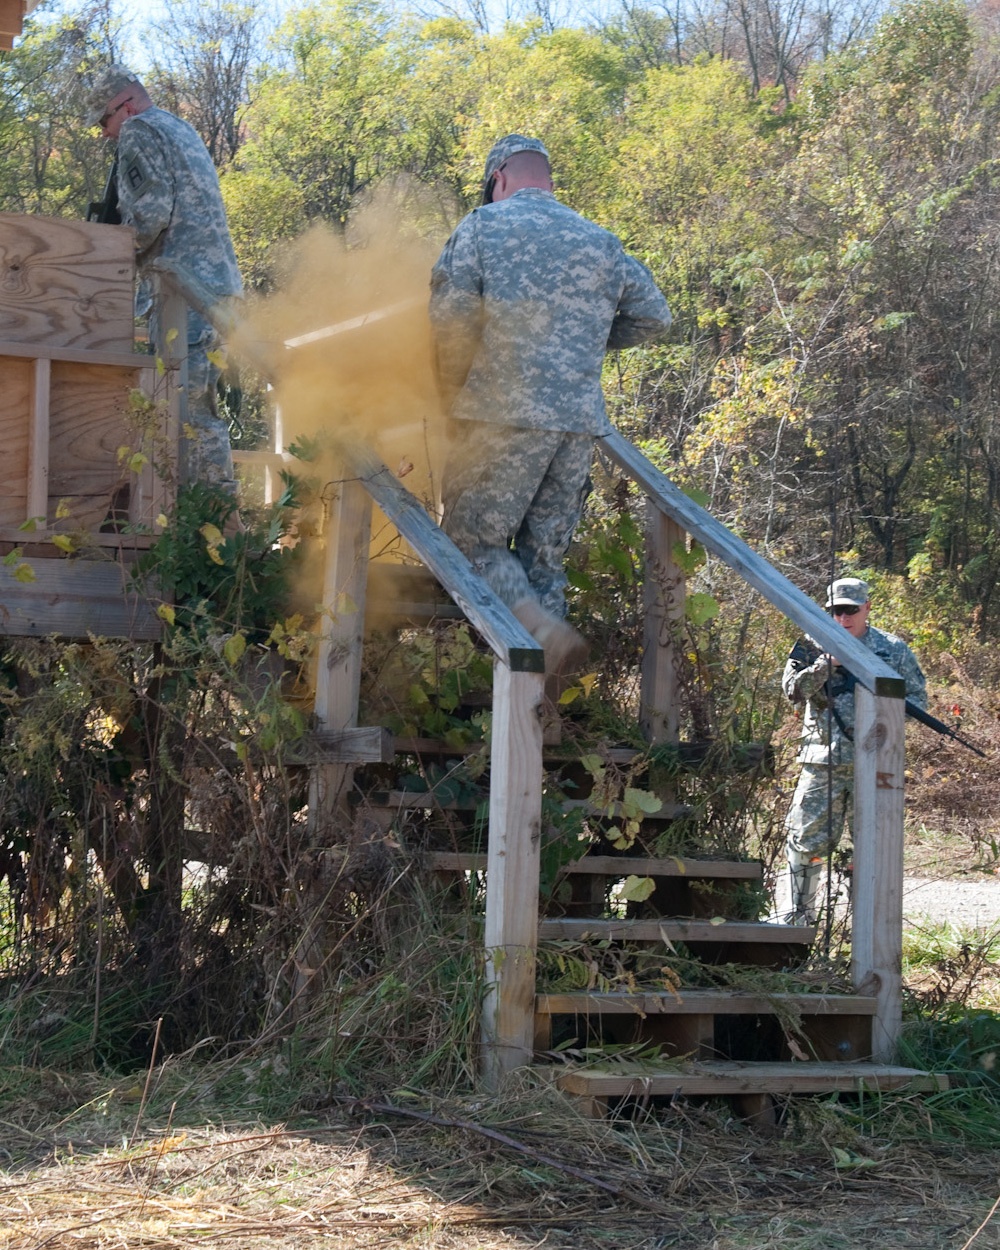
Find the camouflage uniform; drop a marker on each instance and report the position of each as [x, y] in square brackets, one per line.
[168, 191]
[813, 826]
[526, 299]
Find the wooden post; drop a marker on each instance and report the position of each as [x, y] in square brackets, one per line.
[663, 598]
[512, 869]
[877, 938]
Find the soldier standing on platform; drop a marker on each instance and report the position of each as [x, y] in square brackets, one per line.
[168, 192]
[526, 299]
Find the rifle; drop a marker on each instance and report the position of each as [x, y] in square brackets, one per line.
[843, 681]
[105, 210]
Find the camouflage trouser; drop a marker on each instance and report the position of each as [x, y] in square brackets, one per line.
[204, 453]
[504, 484]
[813, 828]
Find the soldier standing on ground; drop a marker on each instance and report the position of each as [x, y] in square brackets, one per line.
[168, 191]
[824, 795]
[526, 299]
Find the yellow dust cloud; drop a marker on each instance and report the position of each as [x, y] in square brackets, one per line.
[346, 341]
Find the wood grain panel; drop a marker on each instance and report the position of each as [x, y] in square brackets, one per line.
[66, 283]
[16, 384]
[89, 409]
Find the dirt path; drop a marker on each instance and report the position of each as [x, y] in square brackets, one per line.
[963, 904]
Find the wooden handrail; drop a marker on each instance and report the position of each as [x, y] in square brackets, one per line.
[874, 674]
[492, 618]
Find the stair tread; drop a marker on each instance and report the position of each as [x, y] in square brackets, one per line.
[676, 929]
[617, 866]
[720, 1076]
[699, 1002]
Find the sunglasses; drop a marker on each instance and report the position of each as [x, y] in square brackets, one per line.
[844, 609]
[103, 121]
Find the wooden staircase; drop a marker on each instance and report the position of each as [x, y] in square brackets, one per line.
[660, 1039]
[642, 1039]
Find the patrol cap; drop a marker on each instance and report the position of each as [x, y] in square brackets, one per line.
[502, 151]
[847, 590]
[110, 82]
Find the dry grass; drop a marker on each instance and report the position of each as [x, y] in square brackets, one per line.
[489, 1174]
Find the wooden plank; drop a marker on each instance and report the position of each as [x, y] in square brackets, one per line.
[508, 638]
[11, 16]
[512, 872]
[35, 541]
[616, 866]
[74, 598]
[872, 672]
[675, 930]
[38, 441]
[700, 1002]
[89, 422]
[663, 598]
[121, 359]
[66, 283]
[710, 1077]
[877, 932]
[16, 384]
[368, 744]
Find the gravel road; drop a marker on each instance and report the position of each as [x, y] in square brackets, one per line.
[964, 904]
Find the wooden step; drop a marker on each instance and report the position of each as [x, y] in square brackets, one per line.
[703, 1002]
[596, 1085]
[617, 866]
[688, 931]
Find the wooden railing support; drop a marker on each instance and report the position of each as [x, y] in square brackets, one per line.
[876, 942]
[512, 871]
[663, 600]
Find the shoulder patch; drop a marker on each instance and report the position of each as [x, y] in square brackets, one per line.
[135, 175]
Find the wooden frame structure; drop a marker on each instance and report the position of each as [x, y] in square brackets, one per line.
[65, 348]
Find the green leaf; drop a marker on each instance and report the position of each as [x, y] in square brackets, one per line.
[636, 889]
[700, 608]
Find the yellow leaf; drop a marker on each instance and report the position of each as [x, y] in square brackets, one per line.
[24, 573]
[570, 694]
[717, 920]
[588, 681]
[123, 453]
[172, 335]
[217, 358]
[29, 526]
[138, 462]
[160, 367]
[63, 509]
[213, 554]
[162, 521]
[234, 648]
[166, 613]
[190, 433]
[344, 605]
[64, 543]
[211, 533]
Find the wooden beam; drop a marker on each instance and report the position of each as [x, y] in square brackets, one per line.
[877, 936]
[511, 932]
[74, 355]
[663, 597]
[11, 17]
[38, 441]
